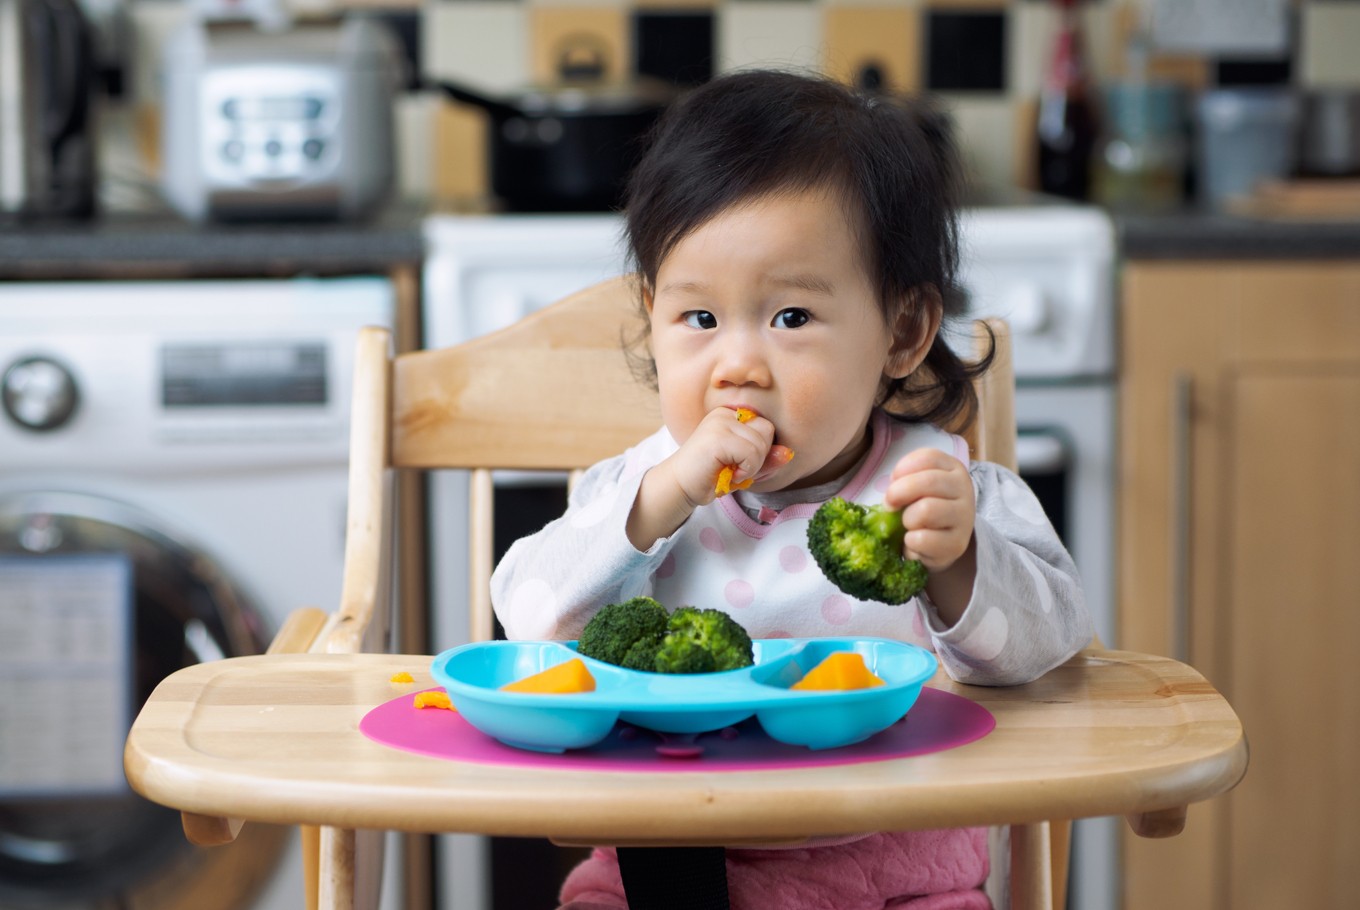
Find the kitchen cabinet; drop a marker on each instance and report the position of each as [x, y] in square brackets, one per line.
[1239, 527]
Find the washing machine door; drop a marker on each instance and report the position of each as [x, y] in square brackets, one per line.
[97, 606]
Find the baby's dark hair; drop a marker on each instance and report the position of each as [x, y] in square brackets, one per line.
[891, 159]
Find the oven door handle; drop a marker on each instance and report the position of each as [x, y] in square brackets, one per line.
[1041, 452]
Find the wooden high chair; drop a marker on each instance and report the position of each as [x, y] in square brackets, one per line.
[274, 738]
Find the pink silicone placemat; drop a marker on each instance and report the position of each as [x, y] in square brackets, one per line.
[938, 721]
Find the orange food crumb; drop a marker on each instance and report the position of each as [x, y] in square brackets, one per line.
[839, 670]
[561, 679]
[433, 700]
[402, 677]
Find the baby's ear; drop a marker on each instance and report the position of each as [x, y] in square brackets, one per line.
[915, 324]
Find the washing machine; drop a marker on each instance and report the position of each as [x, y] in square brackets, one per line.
[172, 484]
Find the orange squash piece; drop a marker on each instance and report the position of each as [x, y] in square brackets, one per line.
[562, 679]
[433, 700]
[839, 670]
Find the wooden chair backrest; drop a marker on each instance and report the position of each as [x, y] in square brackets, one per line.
[552, 391]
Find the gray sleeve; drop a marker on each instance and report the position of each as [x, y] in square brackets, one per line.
[550, 583]
[1028, 613]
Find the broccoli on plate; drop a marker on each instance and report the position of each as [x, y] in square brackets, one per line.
[702, 641]
[638, 634]
[859, 549]
[625, 634]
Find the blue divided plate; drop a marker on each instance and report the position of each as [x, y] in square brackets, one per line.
[690, 703]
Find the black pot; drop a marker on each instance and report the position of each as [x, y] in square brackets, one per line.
[567, 148]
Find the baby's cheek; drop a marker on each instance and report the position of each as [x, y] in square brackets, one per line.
[680, 417]
[808, 420]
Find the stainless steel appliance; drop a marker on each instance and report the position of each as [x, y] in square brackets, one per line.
[1047, 268]
[47, 136]
[173, 484]
[293, 123]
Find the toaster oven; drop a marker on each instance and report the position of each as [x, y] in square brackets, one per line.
[294, 123]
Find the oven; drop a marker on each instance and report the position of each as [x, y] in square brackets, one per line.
[1048, 269]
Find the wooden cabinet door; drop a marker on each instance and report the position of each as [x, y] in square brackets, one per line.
[1293, 518]
[1240, 506]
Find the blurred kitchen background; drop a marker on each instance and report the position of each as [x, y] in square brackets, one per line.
[201, 201]
[1164, 72]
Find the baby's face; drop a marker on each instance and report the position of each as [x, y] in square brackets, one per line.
[769, 306]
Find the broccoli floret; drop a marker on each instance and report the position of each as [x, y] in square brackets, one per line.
[859, 549]
[638, 634]
[703, 641]
[682, 654]
[642, 654]
[625, 634]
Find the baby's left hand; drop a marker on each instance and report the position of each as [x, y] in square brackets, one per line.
[935, 494]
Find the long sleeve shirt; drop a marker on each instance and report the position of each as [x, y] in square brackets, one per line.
[1027, 613]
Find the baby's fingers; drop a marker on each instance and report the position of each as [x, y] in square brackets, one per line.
[756, 431]
[776, 458]
[933, 513]
[936, 548]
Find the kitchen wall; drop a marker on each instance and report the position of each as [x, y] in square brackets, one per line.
[986, 58]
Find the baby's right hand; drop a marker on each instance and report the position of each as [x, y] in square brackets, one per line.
[722, 440]
[671, 491]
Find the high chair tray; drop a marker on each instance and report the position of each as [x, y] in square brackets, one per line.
[276, 738]
[683, 703]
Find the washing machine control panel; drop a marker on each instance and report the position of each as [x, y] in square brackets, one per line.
[39, 393]
[255, 372]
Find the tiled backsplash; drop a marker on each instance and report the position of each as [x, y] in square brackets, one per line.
[985, 58]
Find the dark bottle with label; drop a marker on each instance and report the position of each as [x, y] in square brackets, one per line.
[1068, 124]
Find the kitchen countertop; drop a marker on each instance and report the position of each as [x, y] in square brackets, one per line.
[1204, 235]
[161, 244]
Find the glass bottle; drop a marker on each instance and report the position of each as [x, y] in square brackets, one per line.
[1067, 125]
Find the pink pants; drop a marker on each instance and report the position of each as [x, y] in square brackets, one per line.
[919, 870]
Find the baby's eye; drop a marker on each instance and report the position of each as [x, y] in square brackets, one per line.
[791, 318]
[700, 319]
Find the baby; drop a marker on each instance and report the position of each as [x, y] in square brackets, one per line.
[797, 246]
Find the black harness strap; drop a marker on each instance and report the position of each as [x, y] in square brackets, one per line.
[674, 878]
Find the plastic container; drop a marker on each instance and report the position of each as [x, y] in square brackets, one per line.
[690, 703]
[1143, 156]
[1245, 136]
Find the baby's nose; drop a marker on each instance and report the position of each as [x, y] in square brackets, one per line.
[742, 364]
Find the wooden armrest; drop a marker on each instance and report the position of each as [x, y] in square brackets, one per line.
[295, 636]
